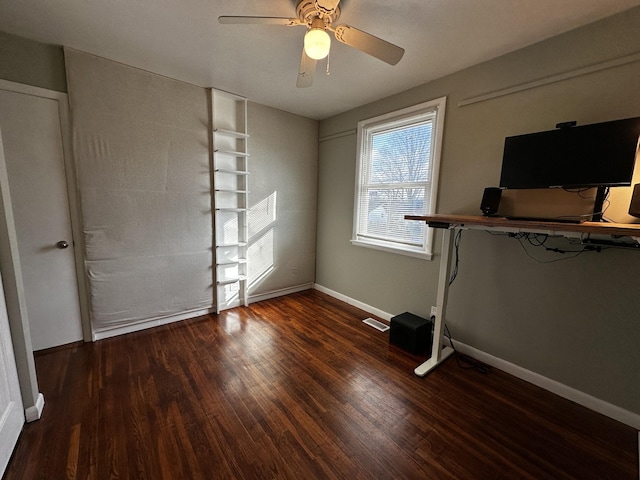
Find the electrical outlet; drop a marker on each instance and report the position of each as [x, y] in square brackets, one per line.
[434, 311]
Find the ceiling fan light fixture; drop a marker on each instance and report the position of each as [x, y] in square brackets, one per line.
[317, 43]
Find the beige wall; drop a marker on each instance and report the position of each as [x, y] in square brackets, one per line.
[575, 321]
[32, 63]
[284, 171]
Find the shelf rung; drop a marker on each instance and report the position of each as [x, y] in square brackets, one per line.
[240, 192]
[228, 281]
[236, 244]
[230, 133]
[232, 172]
[240, 261]
[231, 153]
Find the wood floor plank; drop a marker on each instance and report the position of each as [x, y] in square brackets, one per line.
[298, 387]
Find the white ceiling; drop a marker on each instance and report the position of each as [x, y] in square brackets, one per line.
[182, 39]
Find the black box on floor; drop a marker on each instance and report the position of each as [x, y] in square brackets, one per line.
[411, 333]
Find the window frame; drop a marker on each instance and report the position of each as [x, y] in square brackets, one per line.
[407, 117]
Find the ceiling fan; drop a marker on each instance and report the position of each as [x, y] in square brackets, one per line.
[318, 16]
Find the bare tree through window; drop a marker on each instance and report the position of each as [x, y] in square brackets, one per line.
[398, 155]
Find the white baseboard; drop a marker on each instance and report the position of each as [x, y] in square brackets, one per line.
[34, 412]
[154, 322]
[570, 393]
[362, 306]
[581, 398]
[279, 293]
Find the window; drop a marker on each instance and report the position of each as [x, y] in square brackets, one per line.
[397, 175]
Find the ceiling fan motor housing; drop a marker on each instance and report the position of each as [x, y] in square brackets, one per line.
[308, 10]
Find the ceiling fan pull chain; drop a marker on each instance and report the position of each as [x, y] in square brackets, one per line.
[328, 69]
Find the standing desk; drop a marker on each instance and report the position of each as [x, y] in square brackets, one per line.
[452, 223]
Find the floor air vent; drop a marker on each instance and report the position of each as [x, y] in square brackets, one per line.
[383, 327]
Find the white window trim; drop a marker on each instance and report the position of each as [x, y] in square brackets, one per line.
[438, 106]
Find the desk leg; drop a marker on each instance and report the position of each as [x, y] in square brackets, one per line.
[439, 354]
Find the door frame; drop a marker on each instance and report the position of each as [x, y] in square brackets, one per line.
[14, 288]
[13, 412]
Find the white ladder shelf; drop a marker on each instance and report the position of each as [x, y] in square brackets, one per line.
[230, 198]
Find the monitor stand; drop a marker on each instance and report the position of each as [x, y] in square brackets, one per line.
[601, 195]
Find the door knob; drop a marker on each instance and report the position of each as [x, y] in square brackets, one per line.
[62, 244]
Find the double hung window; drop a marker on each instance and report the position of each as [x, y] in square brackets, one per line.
[397, 175]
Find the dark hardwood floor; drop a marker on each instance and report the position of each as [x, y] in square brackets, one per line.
[298, 388]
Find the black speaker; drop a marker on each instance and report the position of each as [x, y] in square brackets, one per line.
[490, 200]
[411, 332]
[634, 207]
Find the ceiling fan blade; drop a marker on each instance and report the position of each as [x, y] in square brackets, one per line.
[235, 20]
[306, 71]
[367, 43]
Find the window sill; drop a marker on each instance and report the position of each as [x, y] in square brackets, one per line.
[392, 249]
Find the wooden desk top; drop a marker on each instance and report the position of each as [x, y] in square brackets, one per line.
[603, 228]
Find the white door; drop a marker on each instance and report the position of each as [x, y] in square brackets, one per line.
[31, 134]
[11, 411]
